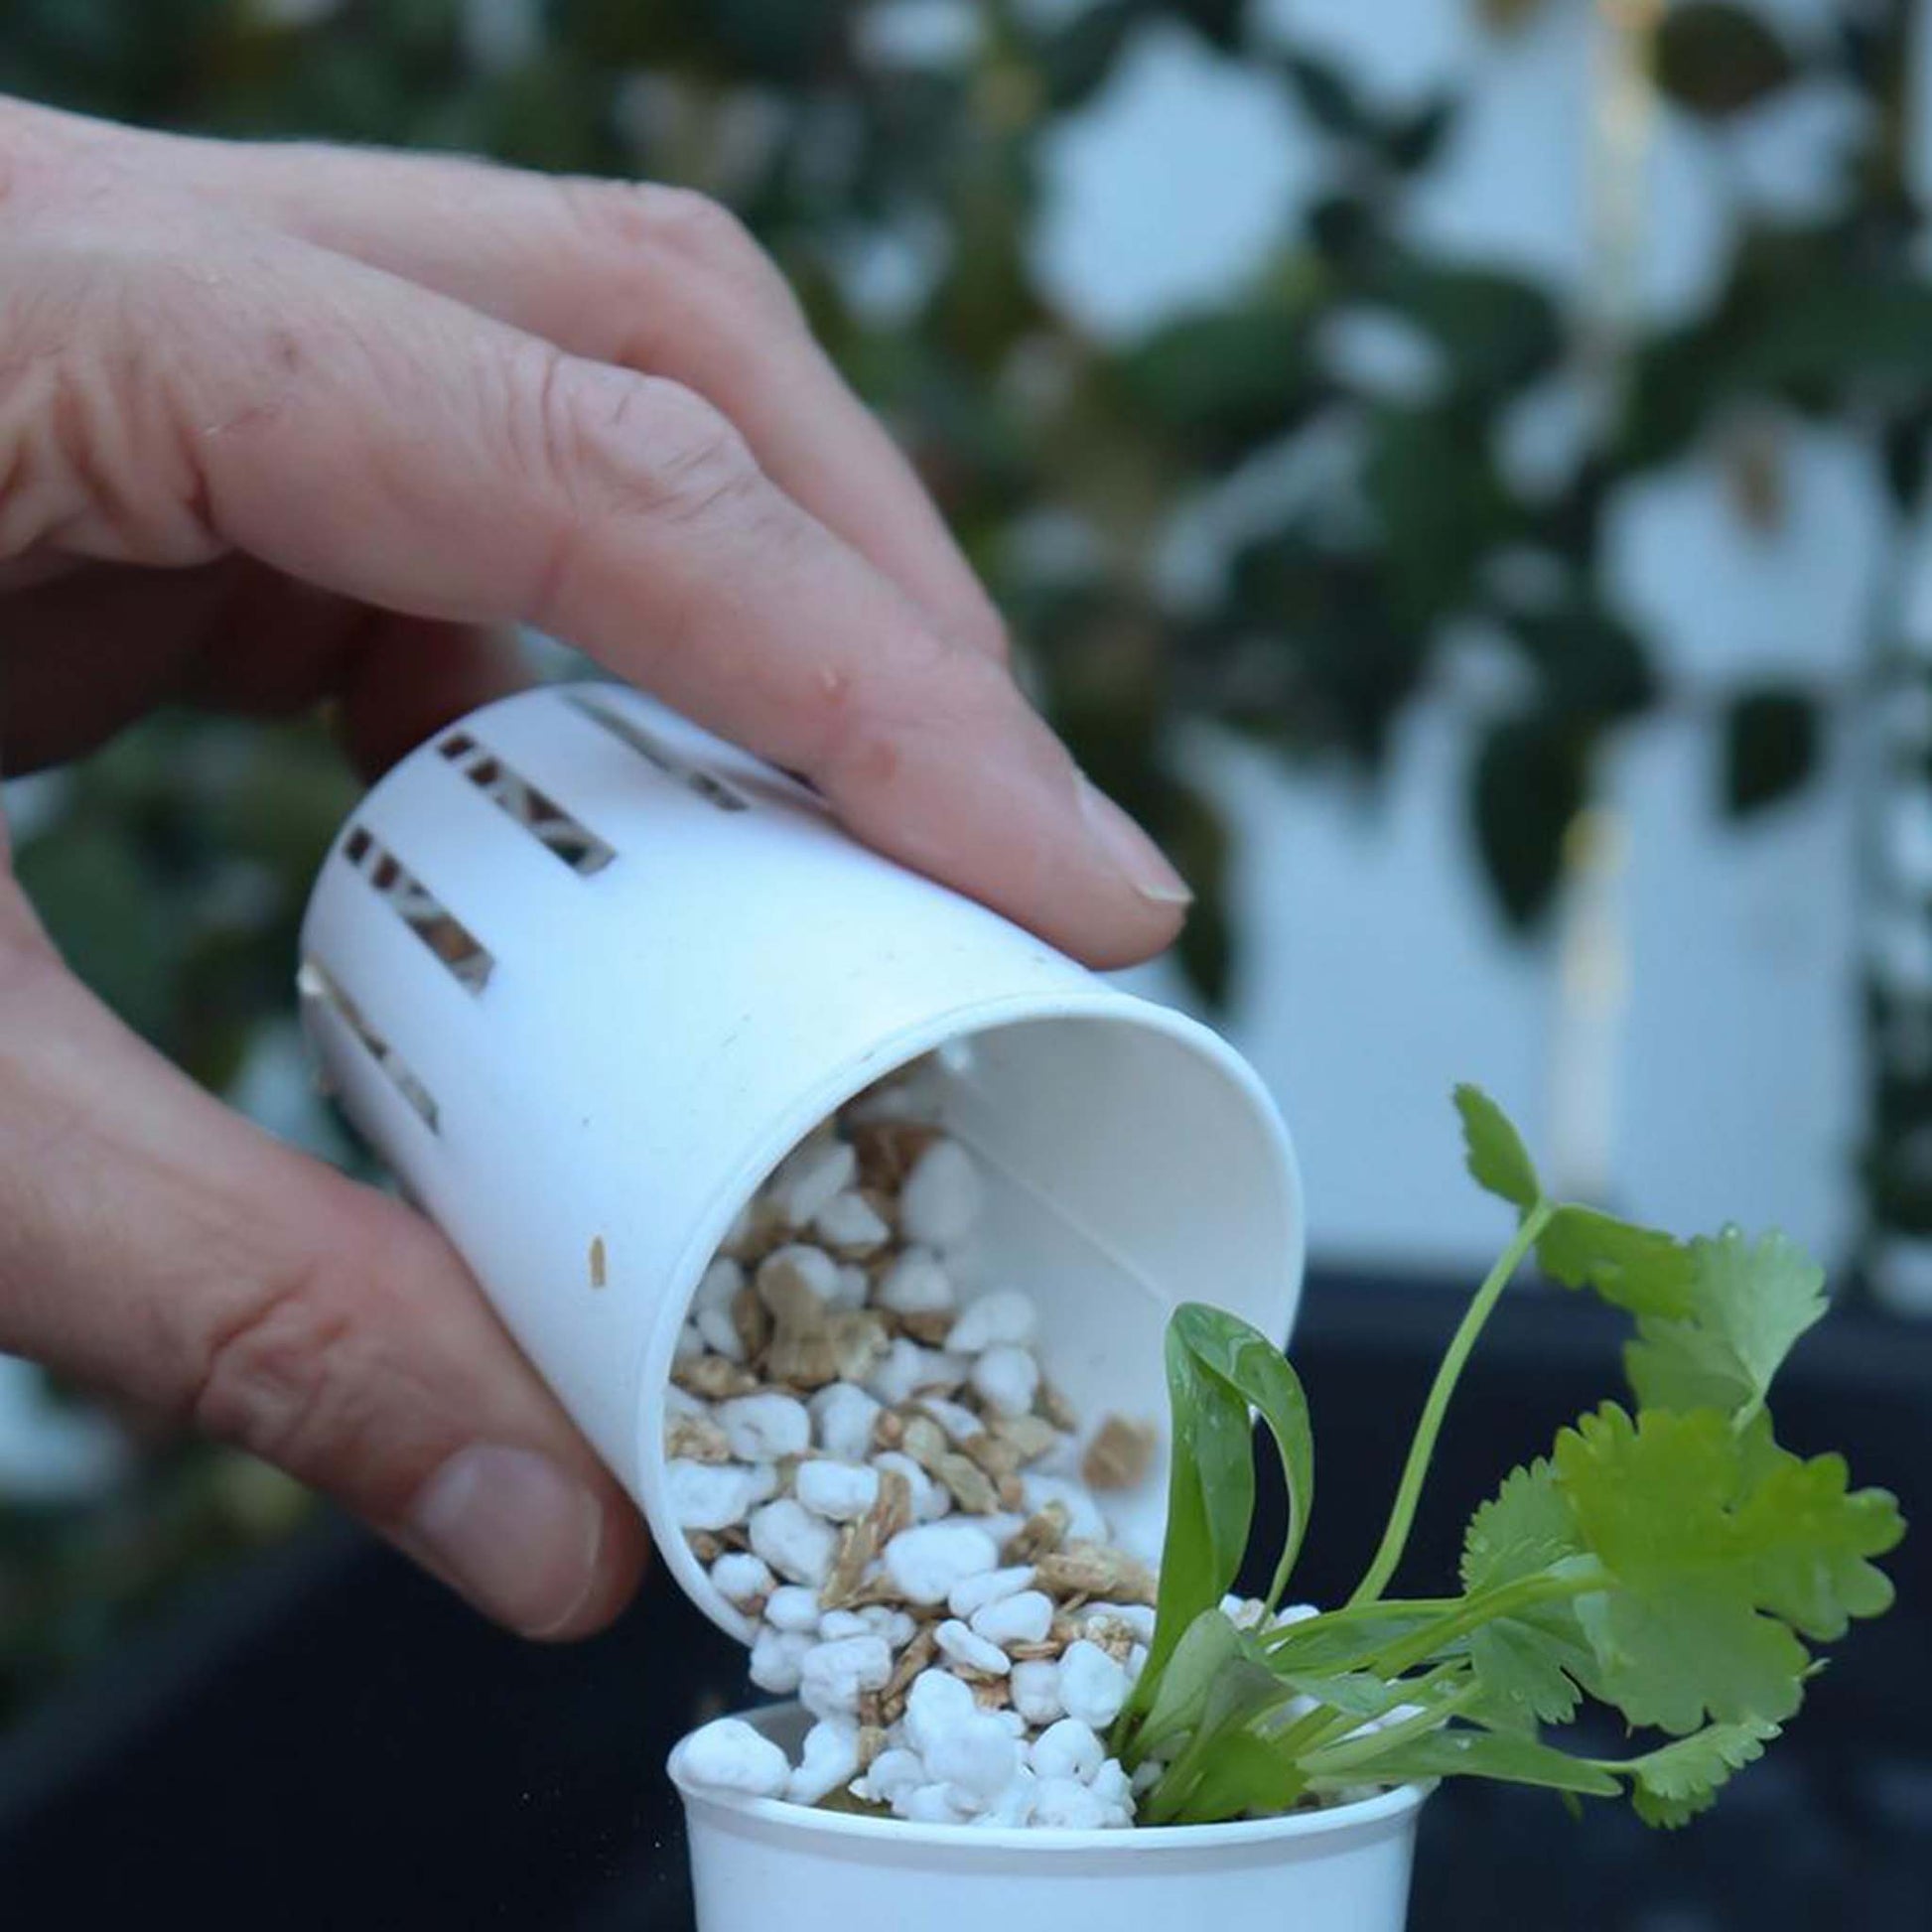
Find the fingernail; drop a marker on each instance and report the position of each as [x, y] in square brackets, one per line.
[1129, 850]
[514, 1533]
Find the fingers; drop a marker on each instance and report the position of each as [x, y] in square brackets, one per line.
[88, 653]
[655, 279]
[154, 1244]
[355, 432]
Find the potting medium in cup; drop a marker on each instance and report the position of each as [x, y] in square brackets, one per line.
[583, 974]
[761, 1864]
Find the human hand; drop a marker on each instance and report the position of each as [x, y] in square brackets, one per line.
[286, 424]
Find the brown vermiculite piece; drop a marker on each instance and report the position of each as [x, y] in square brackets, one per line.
[863, 1448]
[1120, 1455]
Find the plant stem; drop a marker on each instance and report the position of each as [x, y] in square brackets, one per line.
[1361, 1613]
[1278, 1584]
[1485, 1607]
[1352, 1752]
[1422, 1451]
[1311, 1732]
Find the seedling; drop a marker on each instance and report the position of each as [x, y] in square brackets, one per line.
[1667, 1558]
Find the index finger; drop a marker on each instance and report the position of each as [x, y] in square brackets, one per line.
[653, 278]
[361, 432]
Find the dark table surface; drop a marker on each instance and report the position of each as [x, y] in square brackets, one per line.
[326, 1739]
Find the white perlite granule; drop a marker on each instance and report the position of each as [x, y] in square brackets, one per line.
[874, 1463]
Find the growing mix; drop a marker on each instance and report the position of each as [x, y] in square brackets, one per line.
[877, 1472]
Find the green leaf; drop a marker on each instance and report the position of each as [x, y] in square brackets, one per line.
[1413, 141]
[1075, 61]
[1528, 787]
[1219, 382]
[1218, 22]
[1592, 667]
[1771, 748]
[1680, 1634]
[1247, 1777]
[1528, 1664]
[1529, 1667]
[1245, 1361]
[1673, 1784]
[1844, 330]
[1439, 502]
[1636, 1267]
[1494, 1150]
[1356, 1694]
[1206, 1646]
[1810, 1544]
[1241, 1691]
[1321, 1646]
[1747, 1305]
[1525, 1528]
[1716, 58]
[1498, 330]
[1328, 96]
[1477, 1753]
[1210, 1498]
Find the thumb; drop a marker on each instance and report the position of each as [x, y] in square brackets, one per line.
[153, 1243]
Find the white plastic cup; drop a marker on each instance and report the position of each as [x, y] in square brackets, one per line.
[583, 974]
[761, 1864]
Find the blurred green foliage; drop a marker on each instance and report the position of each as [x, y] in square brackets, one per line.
[174, 866]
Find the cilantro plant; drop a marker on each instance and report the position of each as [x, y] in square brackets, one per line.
[1668, 1558]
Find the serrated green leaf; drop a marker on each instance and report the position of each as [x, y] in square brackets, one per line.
[1528, 1667]
[1810, 1545]
[1245, 1361]
[1494, 1150]
[1681, 1635]
[1747, 1305]
[1636, 1267]
[1526, 1664]
[1523, 1529]
[1464, 1752]
[1673, 1784]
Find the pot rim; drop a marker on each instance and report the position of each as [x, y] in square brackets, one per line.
[782, 1815]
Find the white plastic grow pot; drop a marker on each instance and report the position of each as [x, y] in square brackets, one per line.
[583, 974]
[760, 1864]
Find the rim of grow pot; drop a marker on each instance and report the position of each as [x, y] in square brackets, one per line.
[783, 1814]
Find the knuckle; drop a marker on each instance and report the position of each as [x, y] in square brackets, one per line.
[92, 456]
[678, 228]
[704, 230]
[618, 444]
[296, 1376]
[700, 465]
